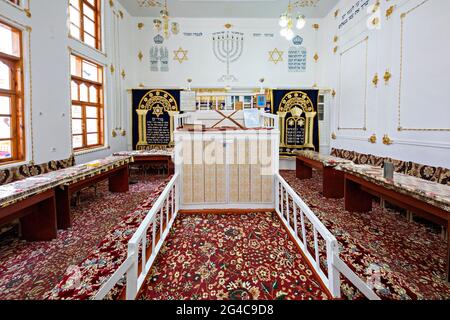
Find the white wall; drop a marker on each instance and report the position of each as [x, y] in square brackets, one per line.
[202, 65]
[423, 107]
[421, 101]
[47, 83]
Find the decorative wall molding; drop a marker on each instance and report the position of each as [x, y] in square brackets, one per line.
[364, 125]
[400, 126]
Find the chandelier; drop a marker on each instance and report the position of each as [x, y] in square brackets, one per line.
[290, 18]
[162, 24]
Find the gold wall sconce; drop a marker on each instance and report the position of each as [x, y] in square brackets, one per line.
[333, 136]
[387, 77]
[389, 12]
[375, 80]
[373, 139]
[387, 140]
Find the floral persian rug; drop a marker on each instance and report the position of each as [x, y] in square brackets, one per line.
[401, 260]
[29, 270]
[230, 257]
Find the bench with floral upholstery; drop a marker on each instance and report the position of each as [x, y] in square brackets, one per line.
[13, 174]
[426, 172]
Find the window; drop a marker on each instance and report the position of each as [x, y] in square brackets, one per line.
[85, 25]
[87, 104]
[12, 144]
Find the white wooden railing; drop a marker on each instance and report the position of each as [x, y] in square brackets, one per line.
[181, 119]
[270, 121]
[149, 237]
[304, 226]
[267, 120]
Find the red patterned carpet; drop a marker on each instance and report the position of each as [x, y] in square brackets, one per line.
[230, 257]
[411, 257]
[29, 270]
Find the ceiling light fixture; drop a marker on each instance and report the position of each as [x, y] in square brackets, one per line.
[286, 21]
[163, 22]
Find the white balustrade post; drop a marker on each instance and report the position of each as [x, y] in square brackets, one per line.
[132, 273]
[334, 276]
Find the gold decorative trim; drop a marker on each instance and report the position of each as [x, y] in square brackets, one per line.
[387, 76]
[316, 57]
[279, 56]
[375, 21]
[376, 6]
[390, 11]
[336, 13]
[375, 80]
[180, 55]
[387, 140]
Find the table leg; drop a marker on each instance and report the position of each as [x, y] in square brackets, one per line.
[171, 167]
[119, 181]
[303, 171]
[356, 199]
[333, 183]
[40, 224]
[448, 251]
[63, 208]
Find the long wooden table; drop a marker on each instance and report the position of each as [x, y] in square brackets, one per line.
[165, 157]
[42, 203]
[333, 180]
[118, 182]
[37, 216]
[427, 199]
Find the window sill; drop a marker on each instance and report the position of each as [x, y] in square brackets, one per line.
[18, 7]
[87, 46]
[93, 150]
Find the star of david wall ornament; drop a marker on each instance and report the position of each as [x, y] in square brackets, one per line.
[276, 56]
[180, 55]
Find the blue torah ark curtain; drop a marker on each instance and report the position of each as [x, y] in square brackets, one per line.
[299, 121]
[152, 118]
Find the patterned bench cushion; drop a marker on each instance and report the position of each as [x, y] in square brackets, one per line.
[362, 158]
[376, 160]
[334, 152]
[444, 176]
[424, 171]
[399, 165]
[348, 155]
[13, 174]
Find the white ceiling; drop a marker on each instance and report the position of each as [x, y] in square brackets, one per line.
[227, 8]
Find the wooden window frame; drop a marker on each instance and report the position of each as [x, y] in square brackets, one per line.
[97, 8]
[16, 96]
[99, 104]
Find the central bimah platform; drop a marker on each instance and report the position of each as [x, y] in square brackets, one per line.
[228, 167]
